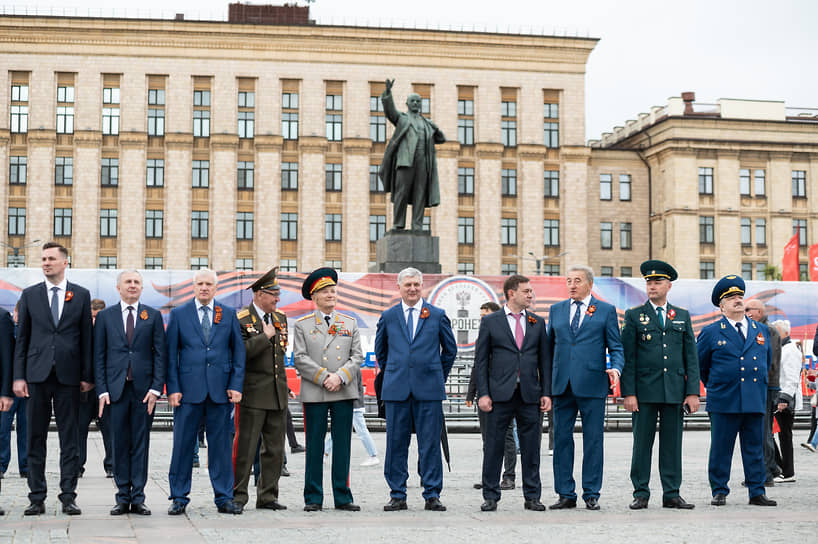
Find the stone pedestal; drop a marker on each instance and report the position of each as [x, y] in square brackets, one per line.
[400, 249]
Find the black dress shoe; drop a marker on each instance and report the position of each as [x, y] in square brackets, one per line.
[394, 505]
[272, 505]
[719, 499]
[24, 474]
[298, 448]
[762, 500]
[177, 508]
[230, 507]
[312, 508]
[120, 508]
[506, 485]
[535, 505]
[348, 506]
[2, 512]
[563, 503]
[71, 508]
[435, 505]
[35, 509]
[639, 503]
[140, 509]
[109, 473]
[678, 502]
[478, 486]
[196, 464]
[592, 504]
[284, 472]
[489, 505]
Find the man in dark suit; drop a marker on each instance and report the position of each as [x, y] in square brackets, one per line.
[6, 364]
[415, 348]
[733, 356]
[52, 363]
[129, 367]
[17, 411]
[513, 361]
[580, 331]
[205, 375]
[661, 374]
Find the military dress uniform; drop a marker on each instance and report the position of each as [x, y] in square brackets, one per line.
[661, 369]
[262, 411]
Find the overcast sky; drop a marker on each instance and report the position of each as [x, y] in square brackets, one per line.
[649, 50]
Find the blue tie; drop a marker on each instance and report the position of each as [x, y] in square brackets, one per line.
[410, 323]
[55, 305]
[205, 323]
[661, 318]
[575, 321]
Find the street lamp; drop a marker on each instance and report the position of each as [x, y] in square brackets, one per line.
[539, 260]
[16, 249]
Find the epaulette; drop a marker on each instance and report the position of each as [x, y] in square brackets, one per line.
[280, 314]
[345, 316]
[308, 316]
[241, 314]
[637, 307]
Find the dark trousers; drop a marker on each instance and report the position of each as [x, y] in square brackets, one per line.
[131, 443]
[253, 424]
[18, 410]
[88, 412]
[670, 448]
[592, 410]
[66, 399]
[529, 431]
[723, 431]
[509, 451]
[785, 420]
[770, 463]
[291, 437]
[427, 417]
[315, 430]
[410, 187]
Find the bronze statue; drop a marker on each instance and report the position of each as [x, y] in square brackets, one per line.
[409, 167]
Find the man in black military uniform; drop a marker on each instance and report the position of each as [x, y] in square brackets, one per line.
[262, 411]
[660, 377]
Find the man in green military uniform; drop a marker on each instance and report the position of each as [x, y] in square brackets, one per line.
[262, 411]
[660, 378]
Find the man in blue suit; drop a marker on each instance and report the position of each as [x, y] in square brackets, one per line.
[580, 330]
[513, 371]
[6, 363]
[129, 371]
[205, 375]
[733, 356]
[415, 348]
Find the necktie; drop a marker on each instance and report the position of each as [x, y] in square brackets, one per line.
[575, 321]
[326, 318]
[267, 319]
[206, 323]
[55, 305]
[129, 325]
[518, 330]
[740, 332]
[661, 318]
[410, 324]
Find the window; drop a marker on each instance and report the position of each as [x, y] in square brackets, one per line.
[110, 95]
[624, 186]
[508, 109]
[550, 270]
[65, 114]
[201, 174]
[746, 231]
[19, 93]
[289, 176]
[110, 121]
[465, 107]
[244, 264]
[507, 269]
[289, 115]
[107, 223]
[800, 225]
[465, 121]
[17, 221]
[109, 175]
[799, 183]
[803, 272]
[605, 186]
[289, 101]
[334, 121]
[246, 115]
[247, 99]
[551, 135]
[289, 226]
[65, 94]
[761, 232]
[16, 261]
[201, 123]
[153, 263]
[332, 174]
[508, 231]
[606, 235]
[625, 236]
[744, 182]
[707, 270]
[706, 230]
[425, 105]
[761, 271]
[156, 97]
[377, 227]
[508, 179]
[551, 232]
[155, 172]
[156, 112]
[377, 121]
[746, 271]
[201, 98]
[154, 221]
[18, 170]
[760, 177]
[465, 230]
[705, 181]
[107, 262]
[626, 272]
[245, 175]
[508, 125]
[19, 109]
[426, 226]
[64, 171]
[375, 181]
[244, 226]
[287, 265]
[198, 263]
[465, 181]
[551, 111]
[199, 224]
[332, 227]
[62, 221]
[335, 265]
[465, 268]
[551, 179]
[606, 271]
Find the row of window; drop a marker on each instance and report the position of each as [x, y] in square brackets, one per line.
[508, 231]
[753, 182]
[707, 230]
[606, 187]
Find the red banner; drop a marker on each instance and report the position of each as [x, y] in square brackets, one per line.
[813, 262]
[789, 263]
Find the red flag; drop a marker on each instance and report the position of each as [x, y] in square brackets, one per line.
[813, 262]
[789, 263]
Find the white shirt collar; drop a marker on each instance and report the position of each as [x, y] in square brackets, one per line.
[509, 312]
[124, 306]
[663, 307]
[259, 311]
[744, 324]
[63, 285]
[199, 305]
[418, 306]
[585, 302]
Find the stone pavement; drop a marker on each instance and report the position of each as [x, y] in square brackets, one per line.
[793, 521]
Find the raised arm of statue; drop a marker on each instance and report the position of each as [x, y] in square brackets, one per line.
[389, 108]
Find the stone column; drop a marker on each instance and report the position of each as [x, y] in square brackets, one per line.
[85, 227]
[355, 229]
[487, 209]
[530, 204]
[132, 205]
[40, 190]
[444, 224]
[311, 198]
[579, 230]
[223, 148]
[267, 235]
[178, 199]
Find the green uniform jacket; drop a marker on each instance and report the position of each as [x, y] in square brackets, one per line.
[265, 378]
[661, 366]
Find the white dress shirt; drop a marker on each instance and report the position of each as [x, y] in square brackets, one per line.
[63, 286]
[512, 321]
[415, 315]
[199, 311]
[585, 303]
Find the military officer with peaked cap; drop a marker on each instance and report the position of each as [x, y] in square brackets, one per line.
[733, 355]
[262, 412]
[327, 352]
[660, 376]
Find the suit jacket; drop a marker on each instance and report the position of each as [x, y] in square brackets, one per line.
[661, 363]
[317, 352]
[42, 346]
[197, 368]
[580, 358]
[265, 377]
[734, 372]
[6, 353]
[146, 354]
[498, 361]
[421, 367]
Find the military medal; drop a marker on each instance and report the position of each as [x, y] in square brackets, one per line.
[643, 319]
[647, 337]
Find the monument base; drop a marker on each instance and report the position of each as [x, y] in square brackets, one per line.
[399, 249]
